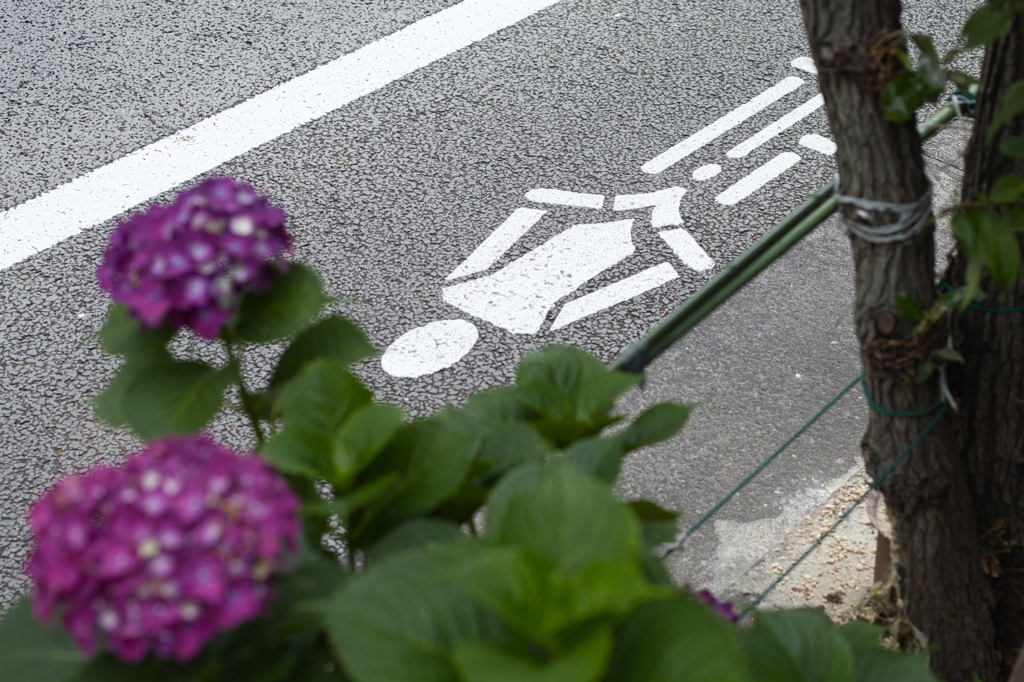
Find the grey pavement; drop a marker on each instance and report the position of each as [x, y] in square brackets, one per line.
[388, 194]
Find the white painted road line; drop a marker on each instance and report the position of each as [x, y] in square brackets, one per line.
[804, 64]
[721, 126]
[131, 180]
[498, 242]
[770, 131]
[563, 198]
[757, 179]
[687, 249]
[665, 205]
[623, 290]
[819, 144]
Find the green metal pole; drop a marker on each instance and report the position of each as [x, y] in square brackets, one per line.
[750, 263]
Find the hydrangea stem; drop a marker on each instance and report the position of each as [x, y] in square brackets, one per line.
[248, 404]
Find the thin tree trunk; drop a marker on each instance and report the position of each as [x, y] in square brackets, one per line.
[853, 44]
[991, 424]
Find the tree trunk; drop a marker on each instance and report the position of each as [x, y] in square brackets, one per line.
[991, 420]
[853, 43]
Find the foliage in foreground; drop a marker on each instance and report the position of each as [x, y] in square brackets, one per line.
[481, 544]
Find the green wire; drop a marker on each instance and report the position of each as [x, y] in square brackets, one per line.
[760, 467]
[893, 413]
[982, 308]
[885, 474]
[940, 406]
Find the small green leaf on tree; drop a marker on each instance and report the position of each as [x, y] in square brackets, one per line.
[961, 80]
[985, 25]
[316, 514]
[951, 54]
[924, 371]
[972, 280]
[569, 392]
[431, 460]
[930, 77]
[295, 298]
[948, 355]
[909, 307]
[317, 511]
[1000, 249]
[648, 511]
[510, 445]
[925, 44]
[1012, 104]
[1007, 189]
[966, 230]
[1013, 147]
[548, 604]
[368, 493]
[900, 98]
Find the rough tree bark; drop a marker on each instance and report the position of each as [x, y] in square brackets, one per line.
[991, 385]
[937, 554]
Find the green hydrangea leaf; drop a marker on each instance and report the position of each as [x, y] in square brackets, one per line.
[677, 640]
[333, 338]
[295, 298]
[32, 652]
[799, 645]
[176, 397]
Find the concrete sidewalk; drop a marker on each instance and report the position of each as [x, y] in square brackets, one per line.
[757, 369]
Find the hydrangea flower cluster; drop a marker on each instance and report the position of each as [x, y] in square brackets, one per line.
[163, 552]
[187, 263]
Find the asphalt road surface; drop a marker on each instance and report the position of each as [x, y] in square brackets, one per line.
[474, 180]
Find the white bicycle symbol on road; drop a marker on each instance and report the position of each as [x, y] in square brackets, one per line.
[519, 296]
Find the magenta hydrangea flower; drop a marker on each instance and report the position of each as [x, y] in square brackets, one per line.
[160, 554]
[186, 264]
[722, 608]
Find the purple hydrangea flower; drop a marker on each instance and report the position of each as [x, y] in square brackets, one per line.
[186, 264]
[722, 608]
[160, 554]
